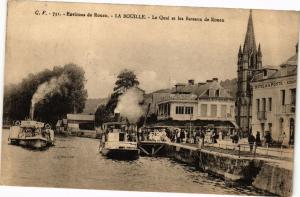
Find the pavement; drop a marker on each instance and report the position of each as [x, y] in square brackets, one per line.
[282, 157]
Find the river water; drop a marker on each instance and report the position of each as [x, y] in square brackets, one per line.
[75, 163]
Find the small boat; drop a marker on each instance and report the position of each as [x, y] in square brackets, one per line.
[118, 142]
[31, 134]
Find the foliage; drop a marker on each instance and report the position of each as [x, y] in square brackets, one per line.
[125, 80]
[70, 96]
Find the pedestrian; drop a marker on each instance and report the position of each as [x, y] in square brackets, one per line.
[257, 139]
[251, 140]
[221, 136]
[202, 137]
[198, 135]
[268, 138]
[178, 136]
[182, 135]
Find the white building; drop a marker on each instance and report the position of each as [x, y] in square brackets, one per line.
[193, 102]
[274, 101]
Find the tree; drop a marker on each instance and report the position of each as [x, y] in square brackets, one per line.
[68, 96]
[125, 80]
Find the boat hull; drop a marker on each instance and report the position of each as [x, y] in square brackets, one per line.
[34, 143]
[37, 143]
[124, 154]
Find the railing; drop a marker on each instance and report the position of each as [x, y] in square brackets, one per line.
[261, 115]
[288, 108]
[255, 151]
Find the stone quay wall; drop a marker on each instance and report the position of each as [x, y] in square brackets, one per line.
[262, 174]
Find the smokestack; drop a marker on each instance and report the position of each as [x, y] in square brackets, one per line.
[31, 112]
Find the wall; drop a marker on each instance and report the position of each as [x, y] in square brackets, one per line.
[261, 90]
[263, 175]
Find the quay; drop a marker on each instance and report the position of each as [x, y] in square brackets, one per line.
[270, 174]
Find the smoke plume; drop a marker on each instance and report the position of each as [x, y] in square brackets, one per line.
[129, 105]
[48, 88]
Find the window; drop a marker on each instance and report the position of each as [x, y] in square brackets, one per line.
[203, 110]
[223, 111]
[217, 93]
[282, 97]
[188, 110]
[293, 96]
[179, 110]
[270, 104]
[213, 110]
[257, 105]
[264, 104]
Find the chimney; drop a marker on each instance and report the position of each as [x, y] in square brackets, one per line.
[117, 117]
[215, 79]
[178, 86]
[191, 82]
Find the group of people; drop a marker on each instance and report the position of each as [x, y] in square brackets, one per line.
[199, 135]
[257, 140]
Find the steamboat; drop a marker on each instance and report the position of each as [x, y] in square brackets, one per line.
[31, 134]
[119, 141]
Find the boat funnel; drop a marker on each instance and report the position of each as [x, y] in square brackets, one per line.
[31, 112]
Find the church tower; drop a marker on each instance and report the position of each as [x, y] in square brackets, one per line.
[249, 63]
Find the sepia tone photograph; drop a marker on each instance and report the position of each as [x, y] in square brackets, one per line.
[149, 98]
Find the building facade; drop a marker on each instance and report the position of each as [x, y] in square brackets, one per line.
[249, 63]
[274, 102]
[203, 101]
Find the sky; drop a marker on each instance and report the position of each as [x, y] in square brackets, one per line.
[160, 52]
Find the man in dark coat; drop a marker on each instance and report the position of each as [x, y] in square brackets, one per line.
[257, 140]
[251, 140]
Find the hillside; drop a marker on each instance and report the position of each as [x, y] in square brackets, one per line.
[92, 104]
[230, 85]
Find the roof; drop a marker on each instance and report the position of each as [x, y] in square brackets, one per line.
[81, 117]
[182, 97]
[200, 89]
[286, 69]
[292, 60]
[162, 91]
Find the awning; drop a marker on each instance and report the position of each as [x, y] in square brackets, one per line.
[194, 123]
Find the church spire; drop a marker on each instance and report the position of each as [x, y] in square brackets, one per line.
[259, 50]
[240, 51]
[249, 44]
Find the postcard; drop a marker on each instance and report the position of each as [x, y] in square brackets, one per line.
[149, 98]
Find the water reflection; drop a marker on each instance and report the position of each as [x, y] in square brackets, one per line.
[76, 163]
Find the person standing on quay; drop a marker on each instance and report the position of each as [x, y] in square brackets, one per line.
[251, 140]
[257, 140]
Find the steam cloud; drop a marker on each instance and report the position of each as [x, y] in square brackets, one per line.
[48, 88]
[129, 105]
